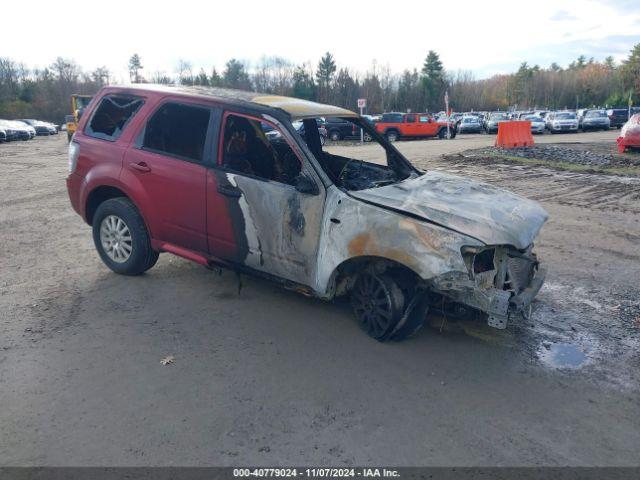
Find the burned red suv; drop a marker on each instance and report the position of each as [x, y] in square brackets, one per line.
[222, 177]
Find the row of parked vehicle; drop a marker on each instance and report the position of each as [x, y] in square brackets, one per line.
[25, 129]
[543, 120]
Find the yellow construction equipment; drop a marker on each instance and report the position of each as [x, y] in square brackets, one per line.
[78, 104]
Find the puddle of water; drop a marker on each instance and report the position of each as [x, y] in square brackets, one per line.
[563, 355]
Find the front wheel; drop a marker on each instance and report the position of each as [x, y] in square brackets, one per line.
[121, 237]
[335, 136]
[377, 303]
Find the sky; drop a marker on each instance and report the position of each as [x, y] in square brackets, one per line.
[483, 36]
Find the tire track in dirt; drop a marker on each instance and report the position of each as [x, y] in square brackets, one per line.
[586, 190]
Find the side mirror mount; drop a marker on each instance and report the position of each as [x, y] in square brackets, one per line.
[304, 184]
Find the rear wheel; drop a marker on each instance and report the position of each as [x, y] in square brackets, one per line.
[367, 137]
[121, 237]
[377, 303]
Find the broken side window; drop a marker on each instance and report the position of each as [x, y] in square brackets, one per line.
[259, 149]
[178, 130]
[112, 116]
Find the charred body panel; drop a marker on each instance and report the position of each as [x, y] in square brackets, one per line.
[497, 280]
[267, 226]
[429, 224]
[277, 226]
[355, 229]
[490, 214]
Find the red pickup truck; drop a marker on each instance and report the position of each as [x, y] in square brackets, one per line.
[413, 125]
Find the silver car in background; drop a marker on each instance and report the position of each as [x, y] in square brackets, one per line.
[537, 123]
[562, 122]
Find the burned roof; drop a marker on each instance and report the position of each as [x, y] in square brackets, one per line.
[295, 107]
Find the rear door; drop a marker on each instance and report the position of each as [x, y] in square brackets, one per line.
[167, 167]
[105, 135]
[255, 214]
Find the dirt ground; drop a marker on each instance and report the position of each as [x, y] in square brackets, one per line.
[269, 377]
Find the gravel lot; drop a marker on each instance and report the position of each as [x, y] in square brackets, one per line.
[273, 378]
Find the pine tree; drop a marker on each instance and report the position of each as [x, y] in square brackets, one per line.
[216, 80]
[433, 81]
[324, 75]
[135, 65]
[610, 63]
[202, 78]
[630, 71]
[236, 76]
[303, 84]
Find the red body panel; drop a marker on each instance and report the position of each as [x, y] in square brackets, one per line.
[171, 196]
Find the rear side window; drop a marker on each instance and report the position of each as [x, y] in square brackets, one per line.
[112, 116]
[178, 130]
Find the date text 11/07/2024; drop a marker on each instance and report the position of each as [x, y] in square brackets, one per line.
[316, 472]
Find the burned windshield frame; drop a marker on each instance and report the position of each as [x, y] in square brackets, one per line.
[398, 166]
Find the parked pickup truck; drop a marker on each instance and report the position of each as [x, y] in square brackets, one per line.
[413, 125]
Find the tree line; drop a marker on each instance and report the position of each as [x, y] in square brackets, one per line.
[44, 92]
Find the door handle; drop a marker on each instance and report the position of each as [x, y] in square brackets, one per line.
[140, 166]
[230, 191]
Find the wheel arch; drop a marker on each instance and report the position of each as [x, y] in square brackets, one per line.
[344, 275]
[103, 192]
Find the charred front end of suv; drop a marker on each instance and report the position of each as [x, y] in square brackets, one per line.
[499, 281]
[479, 237]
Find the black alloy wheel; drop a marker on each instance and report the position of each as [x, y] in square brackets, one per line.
[377, 303]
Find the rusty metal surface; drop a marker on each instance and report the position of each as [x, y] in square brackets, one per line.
[371, 231]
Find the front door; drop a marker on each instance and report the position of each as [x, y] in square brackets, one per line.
[167, 170]
[255, 214]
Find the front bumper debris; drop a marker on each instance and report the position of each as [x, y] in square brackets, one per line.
[508, 288]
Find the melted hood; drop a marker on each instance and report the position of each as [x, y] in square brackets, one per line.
[490, 214]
